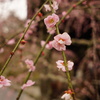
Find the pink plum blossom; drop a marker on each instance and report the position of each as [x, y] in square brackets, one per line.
[55, 5]
[27, 22]
[60, 41]
[60, 65]
[30, 65]
[25, 37]
[67, 96]
[48, 45]
[70, 65]
[64, 13]
[29, 31]
[63, 38]
[47, 7]
[33, 25]
[11, 42]
[42, 43]
[1, 50]
[4, 81]
[51, 20]
[29, 83]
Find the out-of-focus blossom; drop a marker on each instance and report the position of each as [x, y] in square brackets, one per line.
[55, 5]
[30, 65]
[51, 20]
[60, 65]
[70, 65]
[64, 13]
[1, 50]
[25, 37]
[27, 22]
[84, 3]
[48, 45]
[33, 25]
[47, 7]
[60, 41]
[29, 83]
[29, 31]
[4, 81]
[42, 43]
[37, 18]
[67, 96]
[21, 46]
[58, 1]
[11, 42]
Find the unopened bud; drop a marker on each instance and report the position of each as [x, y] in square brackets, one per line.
[74, 5]
[42, 54]
[40, 14]
[23, 42]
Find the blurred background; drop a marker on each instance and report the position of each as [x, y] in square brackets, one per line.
[82, 24]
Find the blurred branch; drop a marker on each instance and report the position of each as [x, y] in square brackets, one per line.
[84, 42]
[16, 34]
[94, 38]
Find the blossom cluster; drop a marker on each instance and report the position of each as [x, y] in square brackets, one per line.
[60, 41]
[31, 30]
[60, 65]
[54, 5]
[31, 67]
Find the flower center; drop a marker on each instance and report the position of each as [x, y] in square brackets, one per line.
[62, 63]
[69, 92]
[51, 20]
[61, 41]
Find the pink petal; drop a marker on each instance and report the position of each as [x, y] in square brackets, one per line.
[11, 42]
[47, 7]
[29, 83]
[70, 65]
[42, 43]
[58, 46]
[32, 68]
